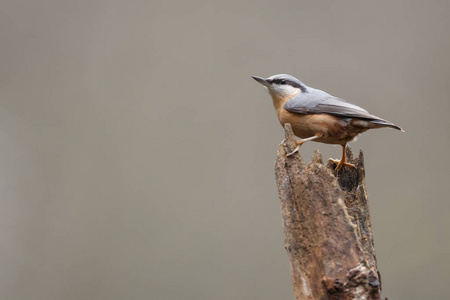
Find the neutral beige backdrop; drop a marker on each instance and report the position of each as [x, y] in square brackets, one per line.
[137, 152]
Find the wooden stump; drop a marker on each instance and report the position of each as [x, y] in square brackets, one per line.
[327, 228]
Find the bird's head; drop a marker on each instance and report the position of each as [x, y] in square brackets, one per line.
[282, 86]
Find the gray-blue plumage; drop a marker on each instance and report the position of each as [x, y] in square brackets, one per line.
[314, 101]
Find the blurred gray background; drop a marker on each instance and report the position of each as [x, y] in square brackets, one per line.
[137, 153]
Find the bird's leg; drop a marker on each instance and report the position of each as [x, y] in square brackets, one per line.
[341, 162]
[300, 142]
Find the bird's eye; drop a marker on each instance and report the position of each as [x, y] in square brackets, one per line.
[283, 81]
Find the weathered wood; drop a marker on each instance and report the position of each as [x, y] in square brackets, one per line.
[327, 228]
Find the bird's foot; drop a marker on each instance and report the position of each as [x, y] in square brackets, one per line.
[283, 142]
[340, 163]
[293, 152]
[299, 143]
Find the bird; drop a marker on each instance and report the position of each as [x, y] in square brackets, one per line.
[317, 116]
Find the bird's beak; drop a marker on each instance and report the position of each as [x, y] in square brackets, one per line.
[261, 80]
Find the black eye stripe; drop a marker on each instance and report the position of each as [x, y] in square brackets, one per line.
[289, 82]
[279, 81]
[284, 81]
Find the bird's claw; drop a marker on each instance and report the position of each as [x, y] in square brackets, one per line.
[340, 164]
[293, 152]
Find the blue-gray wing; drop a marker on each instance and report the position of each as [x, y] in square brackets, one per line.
[322, 103]
[326, 105]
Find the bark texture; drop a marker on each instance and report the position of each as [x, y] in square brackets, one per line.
[327, 228]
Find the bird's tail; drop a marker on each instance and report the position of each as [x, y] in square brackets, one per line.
[384, 123]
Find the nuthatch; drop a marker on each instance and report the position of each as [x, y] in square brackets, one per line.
[317, 116]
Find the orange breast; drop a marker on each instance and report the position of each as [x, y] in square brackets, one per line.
[308, 125]
[332, 130]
